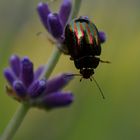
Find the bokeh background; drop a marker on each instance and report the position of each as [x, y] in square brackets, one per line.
[89, 117]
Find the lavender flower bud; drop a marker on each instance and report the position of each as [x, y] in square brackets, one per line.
[9, 75]
[27, 74]
[65, 11]
[58, 82]
[37, 88]
[15, 64]
[102, 37]
[54, 25]
[38, 72]
[58, 99]
[19, 88]
[43, 11]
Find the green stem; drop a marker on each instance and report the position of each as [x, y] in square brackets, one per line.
[51, 63]
[15, 122]
[76, 8]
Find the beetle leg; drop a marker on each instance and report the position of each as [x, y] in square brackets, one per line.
[102, 61]
[51, 41]
[91, 79]
[71, 58]
[81, 79]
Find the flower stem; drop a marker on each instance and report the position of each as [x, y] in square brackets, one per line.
[76, 8]
[51, 63]
[15, 122]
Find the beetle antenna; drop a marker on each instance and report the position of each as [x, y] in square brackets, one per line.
[99, 87]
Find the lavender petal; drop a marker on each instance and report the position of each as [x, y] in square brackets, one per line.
[38, 72]
[102, 36]
[37, 88]
[58, 82]
[43, 11]
[10, 76]
[54, 25]
[19, 88]
[65, 11]
[58, 99]
[15, 64]
[27, 74]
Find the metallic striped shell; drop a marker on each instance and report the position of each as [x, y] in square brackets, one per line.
[82, 38]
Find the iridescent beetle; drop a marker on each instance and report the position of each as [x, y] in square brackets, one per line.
[84, 46]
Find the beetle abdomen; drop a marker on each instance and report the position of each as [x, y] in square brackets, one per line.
[82, 38]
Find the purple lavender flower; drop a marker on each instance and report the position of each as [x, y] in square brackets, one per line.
[25, 85]
[102, 36]
[55, 22]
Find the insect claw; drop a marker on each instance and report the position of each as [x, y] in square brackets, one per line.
[81, 79]
[51, 41]
[90, 78]
[71, 58]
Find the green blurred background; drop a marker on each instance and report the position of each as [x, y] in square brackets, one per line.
[89, 117]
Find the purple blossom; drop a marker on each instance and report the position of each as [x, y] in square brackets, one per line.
[25, 85]
[102, 36]
[55, 22]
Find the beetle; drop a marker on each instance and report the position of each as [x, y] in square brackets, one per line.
[83, 44]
